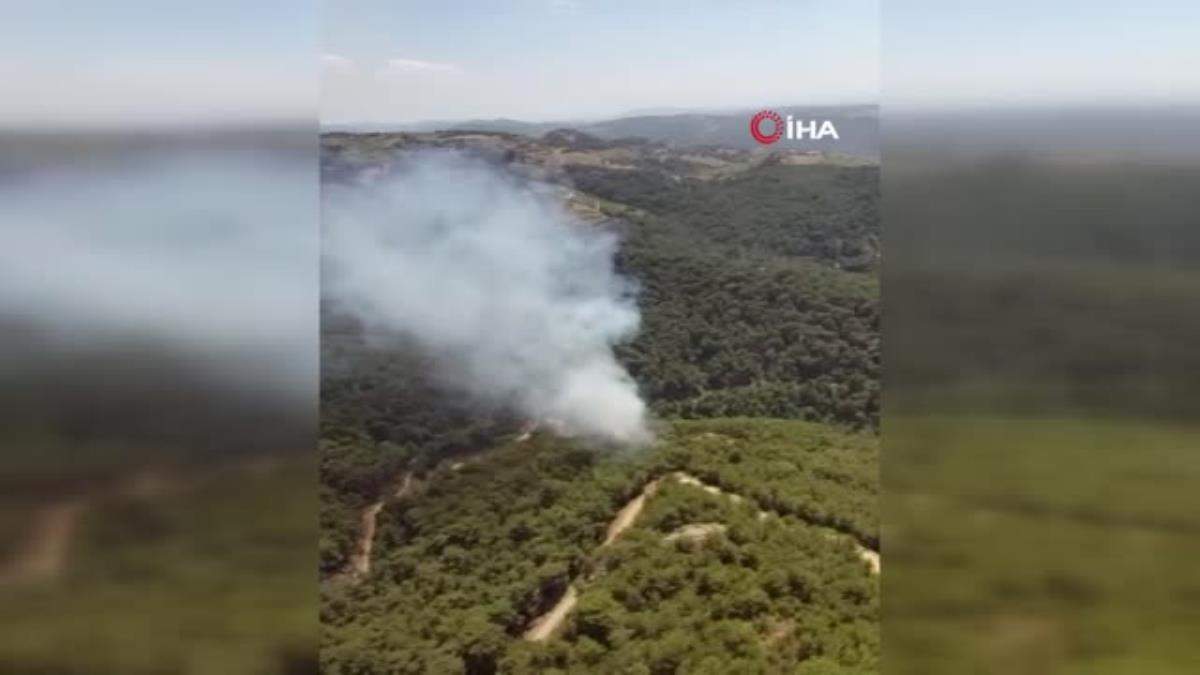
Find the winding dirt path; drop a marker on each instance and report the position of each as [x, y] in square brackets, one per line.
[872, 558]
[359, 563]
[629, 513]
[407, 484]
[547, 624]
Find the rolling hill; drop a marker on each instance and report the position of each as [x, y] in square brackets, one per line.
[857, 125]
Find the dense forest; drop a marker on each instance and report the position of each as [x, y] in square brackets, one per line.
[759, 300]
[745, 310]
[380, 414]
[821, 211]
[468, 560]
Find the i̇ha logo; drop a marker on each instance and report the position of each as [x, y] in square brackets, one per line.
[770, 120]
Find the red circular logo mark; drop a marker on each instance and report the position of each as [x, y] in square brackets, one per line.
[756, 123]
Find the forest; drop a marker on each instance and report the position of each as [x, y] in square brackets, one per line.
[738, 323]
[758, 354]
[469, 559]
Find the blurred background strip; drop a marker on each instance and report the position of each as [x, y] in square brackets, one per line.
[1041, 182]
[158, 277]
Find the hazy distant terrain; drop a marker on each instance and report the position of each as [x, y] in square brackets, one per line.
[858, 128]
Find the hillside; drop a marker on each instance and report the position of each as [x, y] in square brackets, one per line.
[858, 127]
[757, 276]
[473, 556]
[744, 540]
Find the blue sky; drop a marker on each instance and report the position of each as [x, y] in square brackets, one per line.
[123, 61]
[555, 59]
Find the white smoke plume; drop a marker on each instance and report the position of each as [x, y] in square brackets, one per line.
[519, 300]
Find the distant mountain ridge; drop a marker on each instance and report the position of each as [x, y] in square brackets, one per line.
[857, 126]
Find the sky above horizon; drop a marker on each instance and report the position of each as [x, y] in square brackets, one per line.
[144, 62]
[537, 60]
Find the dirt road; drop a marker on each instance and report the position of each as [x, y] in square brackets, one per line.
[872, 558]
[359, 563]
[547, 624]
[360, 558]
[629, 513]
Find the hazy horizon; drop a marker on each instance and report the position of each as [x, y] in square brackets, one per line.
[173, 64]
[628, 114]
[575, 60]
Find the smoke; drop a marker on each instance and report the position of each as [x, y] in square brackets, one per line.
[518, 300]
